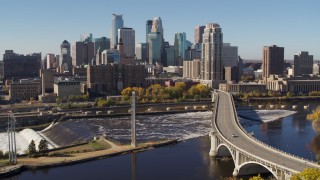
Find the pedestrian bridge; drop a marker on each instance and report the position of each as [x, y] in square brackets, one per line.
[249, 155]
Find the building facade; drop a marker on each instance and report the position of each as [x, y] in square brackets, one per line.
[117, 23]
[20, 66]
[66, 88]
[198, 32]
[191, 69]
[24, 89]
[242, 87]
[127, 36]
[229, 55]
[65, 56]
[180, 45]
[141, 51]
[272, 61]
[82, 53]
[211, 59]
[303, 63]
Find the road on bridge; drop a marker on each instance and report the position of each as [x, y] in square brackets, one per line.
[228, 127]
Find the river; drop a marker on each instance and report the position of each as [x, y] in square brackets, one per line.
[189, 159]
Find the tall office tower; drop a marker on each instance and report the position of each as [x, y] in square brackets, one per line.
[100, 44]
[127, 35]
[141, 51]
[51, 61]
[156, 43]
[148, 28]
[82, 53]
[65, 57]
[86, 37]
[170, 54]
[229, 55]
[20, 66]
[303, 63]
[180, 45]
[272, 61]
[117, 23]
[198, 32]
[211, 58]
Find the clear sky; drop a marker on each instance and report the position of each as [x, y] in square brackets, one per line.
[28, 26]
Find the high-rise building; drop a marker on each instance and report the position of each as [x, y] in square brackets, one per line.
[148, 28]
[229, 55]
[141, 51]
[110, 56]
[100, 44]
[272, 61]
[86, 37]
[65, 57]
[156, 43]
[127, 35]
[117, 23]
[20, 66]
[211, 58]
[303, 63]
[82, 53]
[51, 61]
[180, 44]
[170, 54]
[198, 32]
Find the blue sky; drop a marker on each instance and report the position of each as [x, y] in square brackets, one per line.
[28, 26]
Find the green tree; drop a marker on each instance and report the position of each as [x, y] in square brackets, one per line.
[256, 177]
[43, 147]
[308, 173]
[32, 149]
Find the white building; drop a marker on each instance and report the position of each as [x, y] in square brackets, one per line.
[65, 88]
[211, 58]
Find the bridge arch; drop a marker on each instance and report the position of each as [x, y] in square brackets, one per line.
[252, 167]
[224, 150]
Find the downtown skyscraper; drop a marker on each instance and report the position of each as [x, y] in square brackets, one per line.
[156, 43]
[211, 58]
[272, 61]
[303, 63]
[117, 23]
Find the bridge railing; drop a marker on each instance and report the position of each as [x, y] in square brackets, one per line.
[271, 147]
[253, 157]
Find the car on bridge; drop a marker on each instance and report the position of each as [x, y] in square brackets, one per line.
[233, 135]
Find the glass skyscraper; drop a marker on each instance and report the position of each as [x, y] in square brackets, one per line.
[117, 23]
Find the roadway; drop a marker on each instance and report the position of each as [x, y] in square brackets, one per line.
[227, 125]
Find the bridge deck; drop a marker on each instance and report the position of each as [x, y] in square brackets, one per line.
[227, 125]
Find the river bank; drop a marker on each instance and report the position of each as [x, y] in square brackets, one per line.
[26, 163]
[282, 98]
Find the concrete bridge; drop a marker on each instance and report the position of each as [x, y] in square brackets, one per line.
[250, 156]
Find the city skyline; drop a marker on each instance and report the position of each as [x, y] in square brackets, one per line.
[290, 24]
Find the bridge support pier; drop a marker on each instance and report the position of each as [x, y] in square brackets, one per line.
[235, 172]
[214, 144]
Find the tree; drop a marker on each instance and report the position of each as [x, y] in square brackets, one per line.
[308, 173]
[256, 177]
[32, 149]
[315, 118]
[290, 94]
[43, 147]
